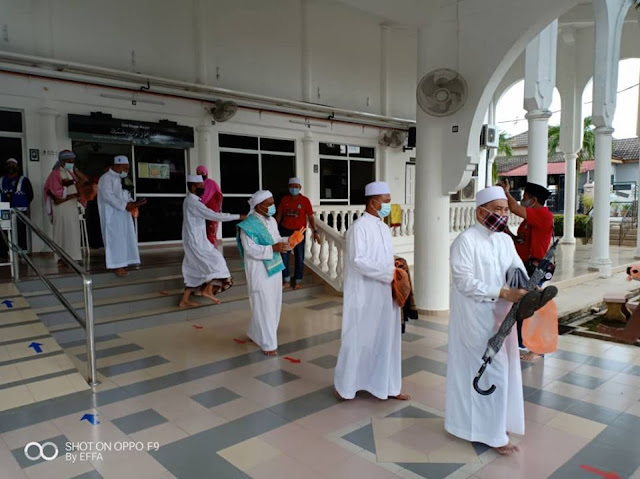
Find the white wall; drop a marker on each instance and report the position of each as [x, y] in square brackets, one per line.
[250, 45]
[625, 172]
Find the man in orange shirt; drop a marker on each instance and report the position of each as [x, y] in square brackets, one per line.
[534, 234]
[293, 212]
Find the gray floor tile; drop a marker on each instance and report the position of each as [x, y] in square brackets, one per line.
[414, 412]
[18, 453]
[37, 378]
[298, 300]
[327, 305]
[622, 439]
[423, 323]
[431, 471]
[105, 353]
[480, 448]
[302, 406]
[600, 456]
[628, 422]
[215, 397]
[328, 362]
[89, 475]
[593, 412]
[277, 377]
[609, 364]
[582, 380]
[30, 358]
[81, 342]
[410, 337]
[130, 366]
[444, 348]
[21, 323]
[363, 438]
[415, 364]
[22, 340]
[139, 421]
[528, 391]
[571, 356]
[184, 464]
[551, 400]
[635, 370]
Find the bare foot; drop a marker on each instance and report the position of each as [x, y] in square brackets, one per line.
[188, 304]
[270, 353]
[197, 292]
[213, 299]
[401, 397]
[530, 357]
[286, 285]
[507, 450]
[121, 272]
[297, 286]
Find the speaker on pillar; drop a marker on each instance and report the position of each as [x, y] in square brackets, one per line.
[411, 139]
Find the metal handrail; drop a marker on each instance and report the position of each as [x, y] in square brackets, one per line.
[623, 230]
[87, 285]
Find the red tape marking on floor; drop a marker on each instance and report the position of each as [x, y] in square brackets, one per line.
[292, 360]
[164, 293]
[197, 326]
[605, 474]
[239, 341]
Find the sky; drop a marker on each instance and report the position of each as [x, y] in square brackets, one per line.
[510, 113]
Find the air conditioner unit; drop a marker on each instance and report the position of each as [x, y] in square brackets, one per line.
[489, 137]
[468, 193]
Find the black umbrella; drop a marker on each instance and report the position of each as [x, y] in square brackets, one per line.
[495, 343]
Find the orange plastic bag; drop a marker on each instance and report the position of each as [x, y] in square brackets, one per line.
[540, 331]
[296, 238]
[400, 287]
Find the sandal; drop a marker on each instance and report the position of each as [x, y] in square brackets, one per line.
[547, 295]
[226, 284]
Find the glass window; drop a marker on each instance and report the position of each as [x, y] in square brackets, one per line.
[238, 141]
[161, 219]
[362, 173]
[93, 159]
[273, 144]
[11, 121]
[333, 149]
[361, 152]
[276, 171]
[238, 205]
[10, 148]
[334, 177]
[239, 172]
[159, 170]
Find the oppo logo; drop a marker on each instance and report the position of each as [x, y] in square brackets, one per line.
[40, 449]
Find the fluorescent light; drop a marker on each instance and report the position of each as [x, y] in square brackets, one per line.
[308, 123]
[130, 98]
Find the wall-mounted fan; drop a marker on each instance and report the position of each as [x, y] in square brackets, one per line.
[223, 110]
[392, 138]
[441, 92]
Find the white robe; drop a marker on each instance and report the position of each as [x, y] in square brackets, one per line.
[265, 293]
[118, 232]
[479, 263]
[66, 221]
[202, 261]
[370, 353]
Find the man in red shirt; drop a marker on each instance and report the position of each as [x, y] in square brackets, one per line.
[293, 212]
[534, 234]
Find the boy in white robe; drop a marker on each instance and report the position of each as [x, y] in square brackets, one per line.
[370, 348]
[480, 258]
[115, 206]
[203, 264]
[260, 245]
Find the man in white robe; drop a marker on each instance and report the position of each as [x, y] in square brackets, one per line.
[203, 264]
[260, 245]
[480, 300]
[370, 353]
[115, 205]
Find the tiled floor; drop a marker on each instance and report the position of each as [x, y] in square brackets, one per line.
[194, 403]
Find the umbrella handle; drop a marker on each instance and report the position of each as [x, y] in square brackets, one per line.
[484, 392]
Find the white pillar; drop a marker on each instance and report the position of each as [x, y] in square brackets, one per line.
[600, 251]
[204, 135]
[49, 157]
[540, 80]
[569, 198]
[384, 69]
[311, 177]
[491, 119]
[200, 29]
[609, 17]
[638, 179]
[431, 221]
[305, 52]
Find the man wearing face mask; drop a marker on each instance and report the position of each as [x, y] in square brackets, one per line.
[61, 203]
[480, 300]
[115, 205]
[293, 213]
[16, 190]
[203, 265]
[260, 246]
[370, 348]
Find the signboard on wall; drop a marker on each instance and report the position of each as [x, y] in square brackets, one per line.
[103, 128]
[154, 171]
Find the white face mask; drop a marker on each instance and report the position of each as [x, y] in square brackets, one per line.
[124, 174]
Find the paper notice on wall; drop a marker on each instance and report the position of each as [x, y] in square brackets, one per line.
[154, 171]
[143, 170]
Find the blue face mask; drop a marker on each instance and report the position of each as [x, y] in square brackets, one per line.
[68, 166]
[271, 210]
[384, 210]
[294, 191]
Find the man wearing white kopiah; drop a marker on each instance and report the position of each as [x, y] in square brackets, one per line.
[115, 205]
[260, 245]
[202, 263]
[370, 356]
[480, 300]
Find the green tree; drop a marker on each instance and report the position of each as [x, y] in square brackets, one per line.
[588, 150]
[504, 148]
